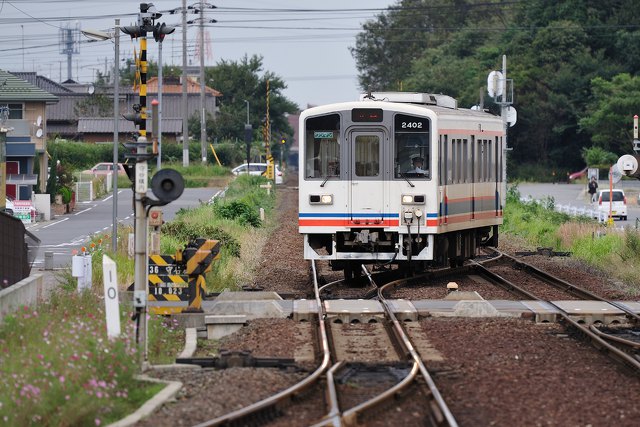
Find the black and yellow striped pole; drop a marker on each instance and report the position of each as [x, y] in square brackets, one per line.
[143, 86]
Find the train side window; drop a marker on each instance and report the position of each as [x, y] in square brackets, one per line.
[498, 161]
[322, 146]
[480, 160]
[441, 159]
[490, 160]
[454, 152]
[472, 163]
[465, 161]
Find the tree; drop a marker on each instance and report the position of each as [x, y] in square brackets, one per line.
[609, 117]
[52, 181]
[99, 104]
[596, 157]
[554, 51]
[242, 80]
[388, 48]
[388, 45]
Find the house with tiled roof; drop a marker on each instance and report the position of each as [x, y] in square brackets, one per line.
[67, 120]
[23, 113]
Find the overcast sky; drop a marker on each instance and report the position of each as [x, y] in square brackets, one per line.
[306, 43]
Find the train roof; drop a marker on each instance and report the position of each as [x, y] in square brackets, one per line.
[441, 105]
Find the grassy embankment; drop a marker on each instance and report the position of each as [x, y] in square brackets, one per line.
[59, 368]
[616, 253]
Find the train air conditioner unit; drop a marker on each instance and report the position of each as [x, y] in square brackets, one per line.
[444, 101]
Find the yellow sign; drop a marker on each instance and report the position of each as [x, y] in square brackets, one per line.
[270, 168]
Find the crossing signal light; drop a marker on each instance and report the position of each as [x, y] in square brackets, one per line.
[283, 141]
[136, 118]
[131, 150]
[134, 31]
[161, 30]
[167, 185]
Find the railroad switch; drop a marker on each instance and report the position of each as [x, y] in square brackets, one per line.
[549, 252]
[238, 359]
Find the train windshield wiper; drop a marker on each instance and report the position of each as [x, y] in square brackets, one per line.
[406, 179]
[326, 178]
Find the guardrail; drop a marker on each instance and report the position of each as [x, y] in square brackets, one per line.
[570, 209]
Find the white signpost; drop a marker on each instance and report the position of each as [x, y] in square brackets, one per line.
[111, 301]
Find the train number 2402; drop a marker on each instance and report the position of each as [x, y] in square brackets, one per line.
[411, 125]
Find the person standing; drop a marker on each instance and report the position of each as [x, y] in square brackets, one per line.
[593, 188]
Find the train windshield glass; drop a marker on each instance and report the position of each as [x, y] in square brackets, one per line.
[322, 147]
[411, 136]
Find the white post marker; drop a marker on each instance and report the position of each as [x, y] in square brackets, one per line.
[81, 269]
[111, 301]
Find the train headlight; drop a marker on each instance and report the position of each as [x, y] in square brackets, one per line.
[321, 199]
[413, 199]
[326, 199]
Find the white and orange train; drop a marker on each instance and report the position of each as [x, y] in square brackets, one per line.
[399, 178]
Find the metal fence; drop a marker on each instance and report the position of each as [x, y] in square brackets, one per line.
[18, 250]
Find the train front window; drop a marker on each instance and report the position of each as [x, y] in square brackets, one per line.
[412, 154]
[322, 146]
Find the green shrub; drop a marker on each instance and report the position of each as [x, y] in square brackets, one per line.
[183, 232]
[238, 210]
[66, 194]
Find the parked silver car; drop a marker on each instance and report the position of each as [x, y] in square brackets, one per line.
[257, 169]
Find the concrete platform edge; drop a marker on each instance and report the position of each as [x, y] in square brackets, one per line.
[152, 404]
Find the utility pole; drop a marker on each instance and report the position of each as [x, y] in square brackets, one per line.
[203, 117]
[116, 137]
[185, 113]
[159, 136]
[3, 164]
[248, 137]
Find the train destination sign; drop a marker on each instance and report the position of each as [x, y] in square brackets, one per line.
[323, 135]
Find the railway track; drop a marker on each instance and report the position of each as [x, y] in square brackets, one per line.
[623, 350]
[354, 389]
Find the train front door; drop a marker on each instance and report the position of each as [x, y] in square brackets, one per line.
[368, 192]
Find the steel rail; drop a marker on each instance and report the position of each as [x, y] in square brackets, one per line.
[623, 341]
[440, 411]
[597, 341]
[239, 417]
[503, 283]
[568, 287]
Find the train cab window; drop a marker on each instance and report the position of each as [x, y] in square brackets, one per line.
[322, 146]
[412, 154]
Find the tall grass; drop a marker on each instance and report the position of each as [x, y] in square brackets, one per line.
[612, 251]
[198, 175]
[234, 221]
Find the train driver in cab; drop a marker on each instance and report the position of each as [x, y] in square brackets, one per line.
[417, 165]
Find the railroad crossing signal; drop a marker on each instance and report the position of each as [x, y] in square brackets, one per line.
[270, 172]
[176, 282]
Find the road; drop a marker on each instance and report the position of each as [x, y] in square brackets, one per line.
[67, 233]
[576, 195]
